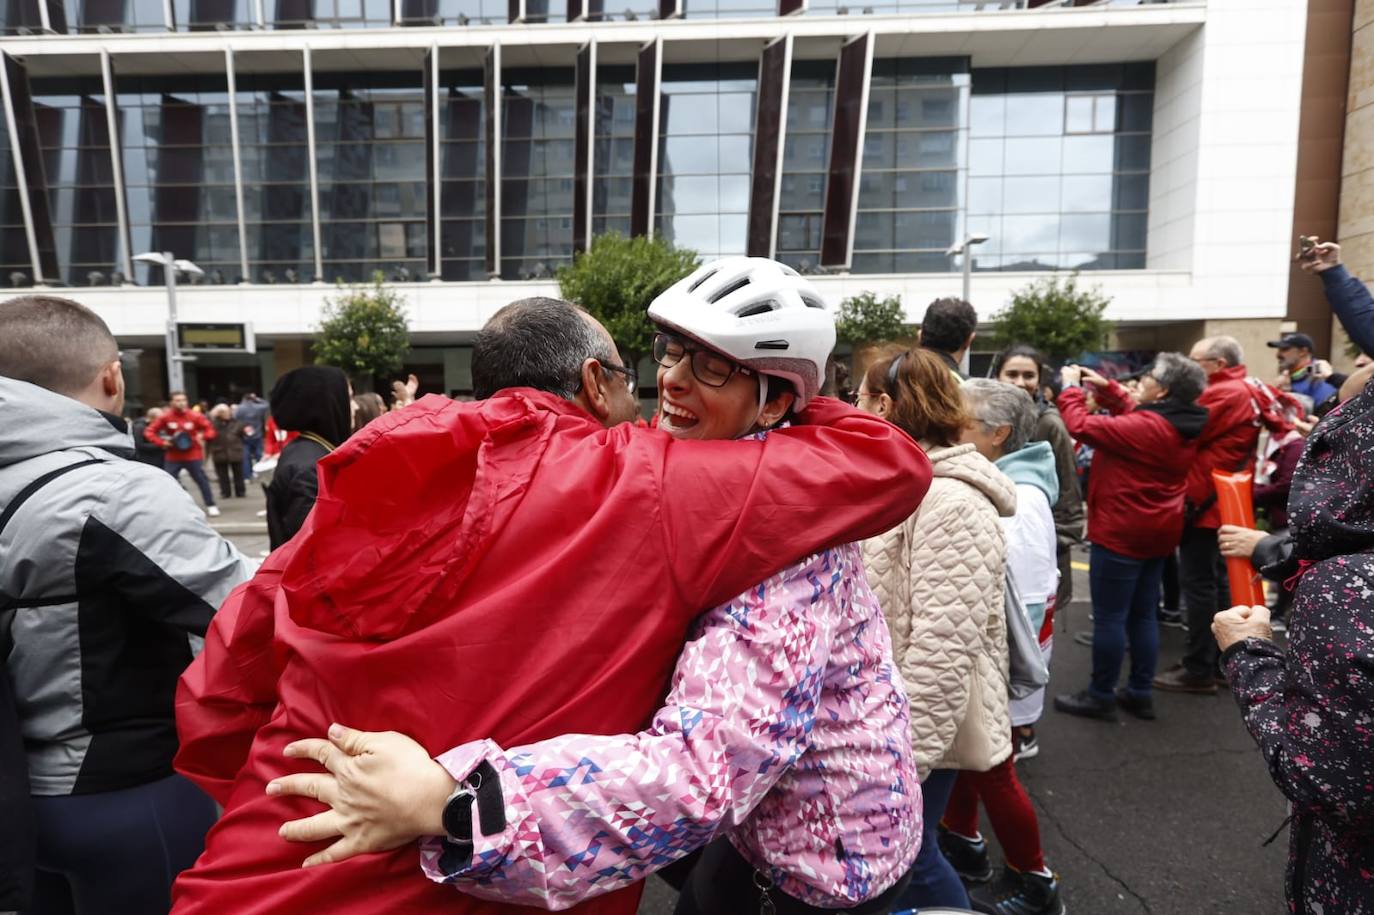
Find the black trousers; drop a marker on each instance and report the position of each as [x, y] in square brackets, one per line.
[223, 471]
[1170, 582]
[722, 883]
[1206, 592]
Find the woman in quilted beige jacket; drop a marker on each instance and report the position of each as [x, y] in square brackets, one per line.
[940, 578]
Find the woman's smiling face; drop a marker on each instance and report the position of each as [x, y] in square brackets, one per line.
[690, 408]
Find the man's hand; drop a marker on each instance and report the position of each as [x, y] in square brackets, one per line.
[1071, 376]
[1321, 258]
[383, 789]
[1241, 623]
[1238, 542]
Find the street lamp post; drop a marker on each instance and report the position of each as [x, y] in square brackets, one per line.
[973, 238]
[176, 375]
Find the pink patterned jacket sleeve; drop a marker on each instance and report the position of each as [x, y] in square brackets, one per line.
[588, 814]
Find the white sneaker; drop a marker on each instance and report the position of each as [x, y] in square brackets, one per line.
[213, 511]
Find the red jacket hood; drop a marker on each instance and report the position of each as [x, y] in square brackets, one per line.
[398, 495]
[1228, 441]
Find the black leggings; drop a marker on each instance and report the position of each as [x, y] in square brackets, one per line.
[722, 883]
[118, 851]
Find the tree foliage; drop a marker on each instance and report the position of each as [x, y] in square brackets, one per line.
[618, 277]
[1056, 317]
[865, 319]
[365, 332]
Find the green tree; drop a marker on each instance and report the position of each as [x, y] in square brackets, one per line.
[1056, 317]
[865, 319]
[364, 332]
[618, 277]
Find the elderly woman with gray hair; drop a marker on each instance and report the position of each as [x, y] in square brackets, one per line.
[1004, 420]
[1143, 452]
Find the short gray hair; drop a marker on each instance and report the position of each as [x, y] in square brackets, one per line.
[1225, 348]
[1182, 376]
[54, 343]
[538, 343]
[996, 403]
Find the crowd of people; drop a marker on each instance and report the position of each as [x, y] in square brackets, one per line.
[530, 650]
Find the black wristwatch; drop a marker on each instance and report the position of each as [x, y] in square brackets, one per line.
[483, 788]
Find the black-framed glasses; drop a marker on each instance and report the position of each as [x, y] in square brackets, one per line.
[710, 368]
[630, 375]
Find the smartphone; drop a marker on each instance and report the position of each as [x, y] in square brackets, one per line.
[1306, 245]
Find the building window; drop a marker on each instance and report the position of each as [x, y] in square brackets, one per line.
[332, 14]
[705, 157]
[16, 267]
[370, 145]
[538, 137]
[276, 177]
[1059, 166]
[74, 135]
[463, 160]
[805, 163]
[177, 152]
[913, 167]
[109, 16]
[613, 154]
[213, 15]
[729, 9]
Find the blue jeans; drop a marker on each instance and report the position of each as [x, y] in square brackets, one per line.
[252, 453]
[197, 471]
[1125, 596]
[933, 880]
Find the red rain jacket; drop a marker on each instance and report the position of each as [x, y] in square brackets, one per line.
[173, 421]
[509, 569]
[1227, 441]
[1140, 463]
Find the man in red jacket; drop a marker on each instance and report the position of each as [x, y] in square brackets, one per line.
[519, 567]
[181, 431]
[1227, 443]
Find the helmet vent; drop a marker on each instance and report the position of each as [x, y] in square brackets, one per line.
[760, 308]
[736, 286]
[698, 283]
[773, 344]
[812, 303]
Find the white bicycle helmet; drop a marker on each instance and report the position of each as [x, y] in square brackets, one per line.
[758, 312]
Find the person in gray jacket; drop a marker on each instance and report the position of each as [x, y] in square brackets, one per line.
[109, 577]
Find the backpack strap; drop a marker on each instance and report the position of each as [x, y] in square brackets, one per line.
[7, 602]
[24, 494]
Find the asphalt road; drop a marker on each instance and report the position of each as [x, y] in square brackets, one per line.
[1164, 818]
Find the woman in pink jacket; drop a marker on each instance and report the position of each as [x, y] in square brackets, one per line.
[783, 747]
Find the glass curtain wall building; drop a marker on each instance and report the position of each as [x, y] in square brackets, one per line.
[428, 164]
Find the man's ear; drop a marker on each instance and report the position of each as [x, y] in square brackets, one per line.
[592, 395]
[968, 344]
[1001, 435]
[112, 379]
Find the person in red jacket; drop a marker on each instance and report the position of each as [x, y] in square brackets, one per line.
[1135, 518]
[519, 567]
[182, 431]
[1227, 443]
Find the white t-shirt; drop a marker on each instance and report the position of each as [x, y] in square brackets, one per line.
[1032, 545]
